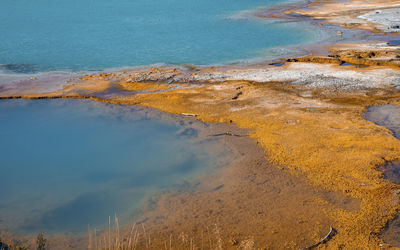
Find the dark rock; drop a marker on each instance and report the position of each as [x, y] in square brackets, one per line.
[189, 133]
[3, 246]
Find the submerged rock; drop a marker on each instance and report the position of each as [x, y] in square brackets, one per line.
[3, 246]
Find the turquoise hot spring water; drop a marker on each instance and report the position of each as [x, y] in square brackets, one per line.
[49, 35]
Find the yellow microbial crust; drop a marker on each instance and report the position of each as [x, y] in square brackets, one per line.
[332, 144]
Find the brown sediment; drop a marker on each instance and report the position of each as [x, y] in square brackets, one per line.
[251, 202]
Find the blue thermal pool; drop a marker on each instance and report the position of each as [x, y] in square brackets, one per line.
[67, 164]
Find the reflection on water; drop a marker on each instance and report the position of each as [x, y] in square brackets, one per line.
[394, 42]
[389, 117]
[391, 171]
[69, 163]
[391, 235]
[18, 68]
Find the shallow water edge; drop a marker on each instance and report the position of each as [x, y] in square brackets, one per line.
[58, 149]
[388, 116]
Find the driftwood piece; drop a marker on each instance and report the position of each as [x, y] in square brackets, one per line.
[228, 134]
[237, 95]
[189, 114]
[325, 239]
